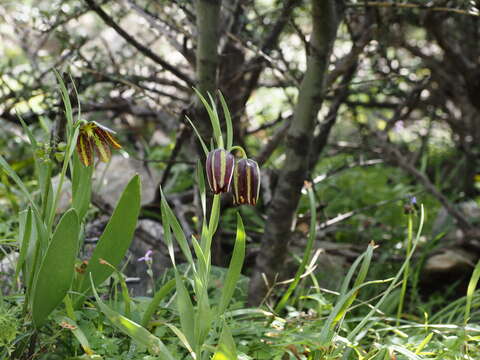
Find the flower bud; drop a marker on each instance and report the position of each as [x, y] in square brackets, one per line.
[246, 182]
[219, 167]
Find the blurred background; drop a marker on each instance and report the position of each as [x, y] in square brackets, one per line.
[376, 104]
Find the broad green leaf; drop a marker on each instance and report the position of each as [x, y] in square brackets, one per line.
[226, 349]
[56, 271]
[37, 246]
[235, 267]
[81, 186]
[117, 236]
[137, 332]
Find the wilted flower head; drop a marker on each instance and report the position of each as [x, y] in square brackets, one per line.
[219, 167]
[246, 182]
[93, 135]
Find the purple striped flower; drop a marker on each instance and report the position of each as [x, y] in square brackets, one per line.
[219, 166]
[246, 182]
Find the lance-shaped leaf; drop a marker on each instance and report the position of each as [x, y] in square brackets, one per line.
[117, 236]
[226, 349]
[234, 269]
[56, 271]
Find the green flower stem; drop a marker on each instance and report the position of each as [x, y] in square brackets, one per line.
[239, 148]
[72, 138]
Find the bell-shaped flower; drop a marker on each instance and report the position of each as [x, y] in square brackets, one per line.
[219, 167]
[246, 182]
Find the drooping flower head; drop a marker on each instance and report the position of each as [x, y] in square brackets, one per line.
[219, 166]
[246, 182]
[92, 136]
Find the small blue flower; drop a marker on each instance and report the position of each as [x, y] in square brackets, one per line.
[147, 257]
[413, 200]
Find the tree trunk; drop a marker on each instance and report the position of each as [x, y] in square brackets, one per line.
[299, 139]
[208, 12]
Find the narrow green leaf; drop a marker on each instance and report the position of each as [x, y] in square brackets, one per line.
[204, 147]
[167, 233]
[13, 175]
[213, 115]
[472, 285]
[326, 333]
[201, 188]
[424, 343]
[203, 313]
[183, 339]
[56, 271]
[66, 100]
[228, 120]
[177, 229]
[358, 281]
[138, 333]
[226, 349]
[117, 236]
[202, 260]
[157, 298]
[30, 136]
[70, 324]
[405, 352]
[24, 235]
[234, 269]
[185, 309]
[361, 325]
[307, 253]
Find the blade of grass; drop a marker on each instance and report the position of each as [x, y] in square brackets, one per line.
[472, 285]
[352, 335]
[307, 253]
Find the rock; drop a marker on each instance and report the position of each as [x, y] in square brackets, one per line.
[7, 272]
[449, 261]
[112, 177]
[447, 268]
